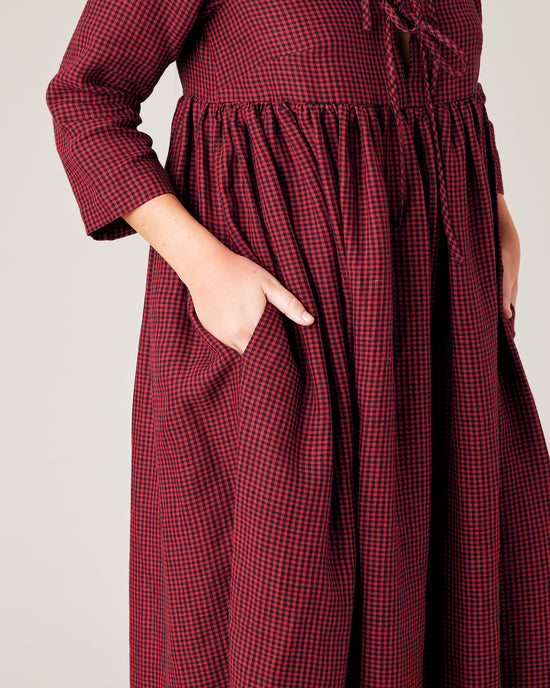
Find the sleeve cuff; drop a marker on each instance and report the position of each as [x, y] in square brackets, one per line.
[495, 157]
[125, 188]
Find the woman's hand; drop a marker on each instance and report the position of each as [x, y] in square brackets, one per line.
[511, 254]
[230, 293]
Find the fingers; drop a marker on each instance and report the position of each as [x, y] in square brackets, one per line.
[506, 301]
[509, 296]
[514, 294]
[506, 295]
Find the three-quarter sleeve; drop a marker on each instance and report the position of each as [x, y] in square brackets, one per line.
[493, 153]
[116, 55]
[493, 157]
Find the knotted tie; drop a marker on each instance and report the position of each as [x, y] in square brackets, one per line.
[412, 11]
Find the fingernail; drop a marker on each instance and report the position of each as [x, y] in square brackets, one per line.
[307, 316]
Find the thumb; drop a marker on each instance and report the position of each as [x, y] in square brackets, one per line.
[289, 305]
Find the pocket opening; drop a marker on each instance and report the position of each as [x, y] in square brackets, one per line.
[215, 343]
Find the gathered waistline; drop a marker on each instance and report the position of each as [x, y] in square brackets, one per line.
[477, 94]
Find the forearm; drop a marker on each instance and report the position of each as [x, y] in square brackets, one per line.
[508, 230]
[175, 234]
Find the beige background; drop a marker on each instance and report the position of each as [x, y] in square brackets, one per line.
[71, 313]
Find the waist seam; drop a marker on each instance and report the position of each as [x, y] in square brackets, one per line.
[239, 102]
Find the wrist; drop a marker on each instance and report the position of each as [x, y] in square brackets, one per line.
[193, 260]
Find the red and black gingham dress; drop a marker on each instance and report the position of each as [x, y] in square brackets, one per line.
[364, 502]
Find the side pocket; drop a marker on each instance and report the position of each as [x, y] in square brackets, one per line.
[214, 343]
[258, 329]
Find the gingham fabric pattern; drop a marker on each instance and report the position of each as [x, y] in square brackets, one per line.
[364, 502]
